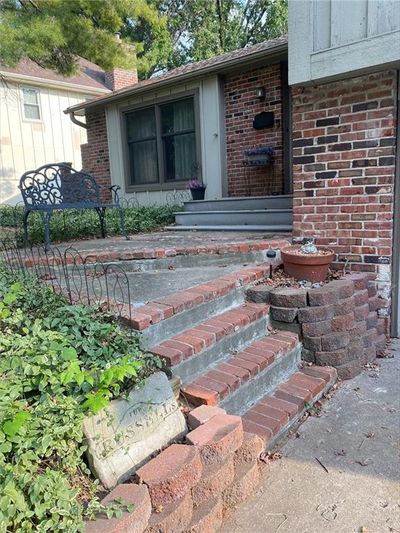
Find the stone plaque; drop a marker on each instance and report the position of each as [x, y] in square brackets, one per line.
[125, 434]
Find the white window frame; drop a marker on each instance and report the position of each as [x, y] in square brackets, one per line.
[23, 103]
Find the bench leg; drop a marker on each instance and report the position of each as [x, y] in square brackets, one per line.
[101, 211]
[25, 223]
[122, 222]
[46, 222]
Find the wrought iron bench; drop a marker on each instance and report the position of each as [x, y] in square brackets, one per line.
[59, 186]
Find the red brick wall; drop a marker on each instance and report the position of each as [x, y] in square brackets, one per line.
[95, 157]
[119, 78]
[241, 105]
[343, 168]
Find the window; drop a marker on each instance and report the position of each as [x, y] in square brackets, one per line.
[162, 145]
[31, 103]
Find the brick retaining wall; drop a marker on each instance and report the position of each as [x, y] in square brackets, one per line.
[338, 323]
[189, 487]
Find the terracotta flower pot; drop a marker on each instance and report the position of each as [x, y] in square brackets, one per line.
[310, 267]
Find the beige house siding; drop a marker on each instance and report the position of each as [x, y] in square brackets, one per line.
[209, 131]
[330, 38]
[27, 144]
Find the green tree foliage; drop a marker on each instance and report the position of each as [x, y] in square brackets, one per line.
[200, 29]
[54, 32]
[164, 33]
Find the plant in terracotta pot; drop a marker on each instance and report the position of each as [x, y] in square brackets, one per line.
[197, 189]
[307, 262]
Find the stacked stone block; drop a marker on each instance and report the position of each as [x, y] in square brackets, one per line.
[188, 488]
[338, 323]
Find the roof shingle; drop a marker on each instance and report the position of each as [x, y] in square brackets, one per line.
[215, 63]
[89, 74]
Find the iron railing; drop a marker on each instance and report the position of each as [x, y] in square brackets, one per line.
[80, 279]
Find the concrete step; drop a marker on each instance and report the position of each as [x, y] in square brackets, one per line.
[285, 228]
[199, 347]
[245, 217]
[275, 413]
[240, 203]
[240, 380]
[168, 316]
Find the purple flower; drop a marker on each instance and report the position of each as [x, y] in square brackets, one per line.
[262, 150]
[195, 184]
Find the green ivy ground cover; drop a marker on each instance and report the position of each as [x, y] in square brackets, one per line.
[84, 223]
[58, 363]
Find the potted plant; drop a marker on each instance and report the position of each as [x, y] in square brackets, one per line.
[307, 262]
[197, 189]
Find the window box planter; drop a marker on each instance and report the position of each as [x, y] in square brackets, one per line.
[258, 157]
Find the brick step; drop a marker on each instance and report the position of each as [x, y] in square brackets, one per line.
[272, 416]
[241, 379]
[196, 348]
[166, 317]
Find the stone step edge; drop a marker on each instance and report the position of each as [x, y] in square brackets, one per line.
[155, 311]
[128, 254]
[276, 413]
[195, 340]
[220, 381]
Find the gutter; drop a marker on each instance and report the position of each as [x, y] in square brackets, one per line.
[76, 121]
[209, 69]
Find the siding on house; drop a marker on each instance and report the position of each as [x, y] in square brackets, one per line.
[27, 144]
[328, 38]
[104, 153]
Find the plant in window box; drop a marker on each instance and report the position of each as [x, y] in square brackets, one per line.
[197, 189]
[262, 156]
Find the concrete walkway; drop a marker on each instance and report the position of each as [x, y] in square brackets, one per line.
[356, 438]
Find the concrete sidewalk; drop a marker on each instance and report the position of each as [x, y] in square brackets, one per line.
[356, 439]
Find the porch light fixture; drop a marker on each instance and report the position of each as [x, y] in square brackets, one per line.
[260, 93]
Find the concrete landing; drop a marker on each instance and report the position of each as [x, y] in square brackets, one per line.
[171, 239]
[357, 439]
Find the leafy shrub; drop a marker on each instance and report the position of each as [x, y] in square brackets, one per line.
[57, 363]
[71, 224]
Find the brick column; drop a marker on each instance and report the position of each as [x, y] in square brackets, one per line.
[95, 155]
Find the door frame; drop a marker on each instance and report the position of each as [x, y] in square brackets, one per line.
[286, 129]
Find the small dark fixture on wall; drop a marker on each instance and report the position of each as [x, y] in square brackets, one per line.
[263, 120]
[260, 93]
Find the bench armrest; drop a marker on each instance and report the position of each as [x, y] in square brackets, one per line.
[114, 191]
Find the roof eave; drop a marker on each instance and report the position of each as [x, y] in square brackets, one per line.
[275, 52]
[44, 82]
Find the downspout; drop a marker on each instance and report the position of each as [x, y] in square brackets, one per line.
[395, 320]
[76, 121]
